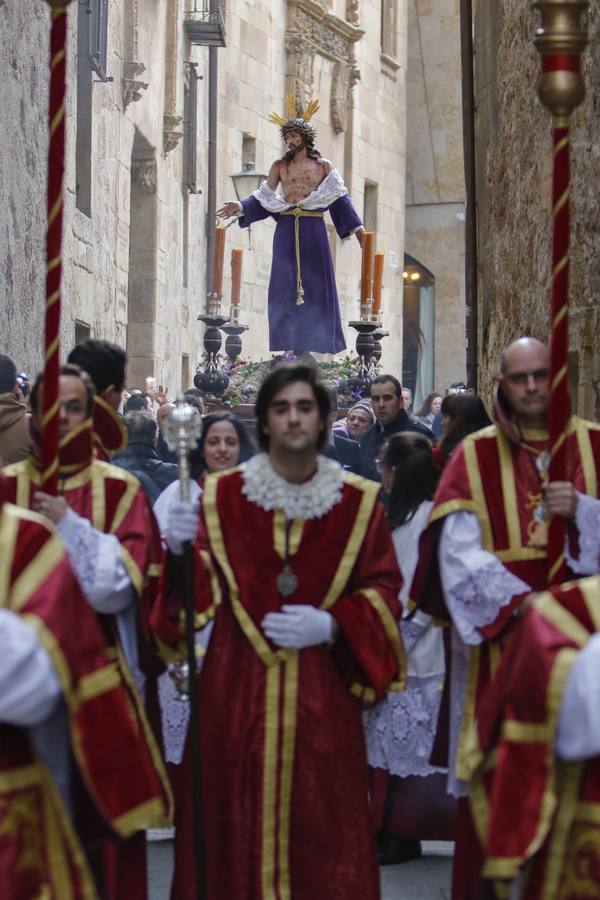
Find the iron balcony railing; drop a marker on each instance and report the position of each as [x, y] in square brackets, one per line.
[205, 23]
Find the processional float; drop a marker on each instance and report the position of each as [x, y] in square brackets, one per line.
[184, 430]
[560, 40]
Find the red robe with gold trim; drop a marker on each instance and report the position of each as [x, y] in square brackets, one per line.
[283, 759]
[539, 810]
[109, 433]
[40, 855]
[114, 502]
[496, 479]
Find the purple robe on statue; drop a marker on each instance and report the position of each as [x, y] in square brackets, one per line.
[314, 325]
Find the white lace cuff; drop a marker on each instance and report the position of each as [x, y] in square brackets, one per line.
[476, 584]
[96, 558]
[477, 601]
[587, 520]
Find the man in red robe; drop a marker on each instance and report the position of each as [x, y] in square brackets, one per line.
[537, 780]
[297, 580]
[112, 540]
[61, 702]
[485, 551]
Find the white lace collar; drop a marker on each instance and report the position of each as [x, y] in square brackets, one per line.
[330, 189]
[310, 500]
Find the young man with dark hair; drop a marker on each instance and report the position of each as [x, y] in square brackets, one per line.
[105, 363]
[296, 571]
[391, 418]
[14, 430]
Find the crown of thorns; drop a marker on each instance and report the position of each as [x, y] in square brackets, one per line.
[298, 118]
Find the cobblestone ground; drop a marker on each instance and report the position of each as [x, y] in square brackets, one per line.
[424, 879]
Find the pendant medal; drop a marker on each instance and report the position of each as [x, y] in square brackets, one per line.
[287, 581]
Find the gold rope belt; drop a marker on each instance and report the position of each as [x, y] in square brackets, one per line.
[300, 213]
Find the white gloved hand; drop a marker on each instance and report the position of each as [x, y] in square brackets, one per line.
[182, 525]
[298, 627]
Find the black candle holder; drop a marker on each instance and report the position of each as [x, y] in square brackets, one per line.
[210, 376]
[234, 329]
[378, 336]
[366, 350]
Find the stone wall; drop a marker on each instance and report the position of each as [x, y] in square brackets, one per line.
[23, 150]
[135, 250]
[514, 159]
[435, 192]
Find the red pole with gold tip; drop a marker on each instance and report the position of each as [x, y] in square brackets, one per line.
[560, 40]
[56, 158]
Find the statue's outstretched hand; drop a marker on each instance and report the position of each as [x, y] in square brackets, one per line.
[228, 210]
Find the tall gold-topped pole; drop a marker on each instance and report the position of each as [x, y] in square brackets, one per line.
[560, 40]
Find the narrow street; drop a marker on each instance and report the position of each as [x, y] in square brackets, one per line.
[424, 879]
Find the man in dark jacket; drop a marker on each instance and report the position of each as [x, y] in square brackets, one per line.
[14, 428]
[391, 417]
[141, 459]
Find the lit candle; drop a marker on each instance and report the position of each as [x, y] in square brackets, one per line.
[218, 260]
[377, 282]
[367, 265]
[236, 275]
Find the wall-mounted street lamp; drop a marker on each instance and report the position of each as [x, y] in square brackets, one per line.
[247, 181]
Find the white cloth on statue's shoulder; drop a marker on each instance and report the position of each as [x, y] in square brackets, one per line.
[29, 687]
[578, 731]
[169, 497]
[587, 522]
[329, 190]
[96, 558]
[475, 583]
[312, 499]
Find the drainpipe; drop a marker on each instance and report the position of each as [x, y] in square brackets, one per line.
[468, 115]
[211, 200]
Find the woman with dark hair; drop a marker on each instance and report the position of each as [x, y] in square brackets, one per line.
[408, 795]
[428, 409]
[463, 413]
[223, 444]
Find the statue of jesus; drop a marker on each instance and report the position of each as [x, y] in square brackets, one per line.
[304, 310]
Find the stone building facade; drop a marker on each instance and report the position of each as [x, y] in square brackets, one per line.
[514, 170]
[136, 191]
[435, 192]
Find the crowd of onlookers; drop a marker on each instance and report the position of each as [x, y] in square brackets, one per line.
[356, 438]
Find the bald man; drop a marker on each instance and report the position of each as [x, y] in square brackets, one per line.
[484, 552]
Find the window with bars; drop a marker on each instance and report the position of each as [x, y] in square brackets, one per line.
[97, 11]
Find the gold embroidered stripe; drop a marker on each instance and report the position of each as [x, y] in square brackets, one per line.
[526, 732]
[476, 486]
[389, 626]
[368, 499]
[551, 610]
